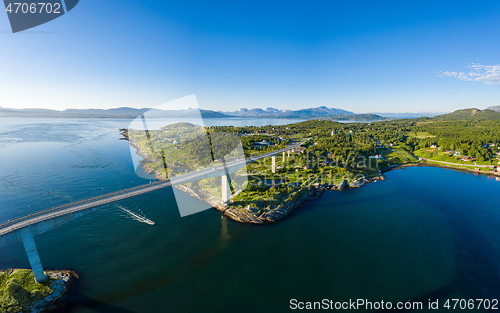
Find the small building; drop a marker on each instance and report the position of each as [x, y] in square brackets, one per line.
[457, 153]
[434, 146]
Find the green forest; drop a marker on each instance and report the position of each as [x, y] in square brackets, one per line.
[472, 133]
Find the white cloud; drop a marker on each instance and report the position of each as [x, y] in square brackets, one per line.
[487, 74]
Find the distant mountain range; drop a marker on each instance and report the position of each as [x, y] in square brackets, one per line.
[275, 113]
[321, 112]
[126, 112]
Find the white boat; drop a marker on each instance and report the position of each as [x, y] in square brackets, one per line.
[138, 217]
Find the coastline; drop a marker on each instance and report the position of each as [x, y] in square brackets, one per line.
[248, 215]
[61, 281]
[251, 215]
[311, 193]
[145, 159]
[430, 164]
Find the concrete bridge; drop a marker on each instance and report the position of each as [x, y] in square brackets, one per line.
[24, 228]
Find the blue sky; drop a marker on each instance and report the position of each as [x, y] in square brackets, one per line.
[362, 56]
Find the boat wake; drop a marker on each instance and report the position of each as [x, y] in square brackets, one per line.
[135, 216]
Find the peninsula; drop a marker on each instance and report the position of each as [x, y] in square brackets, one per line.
[338, 156]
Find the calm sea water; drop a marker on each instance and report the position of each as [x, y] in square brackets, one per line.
[424, 233]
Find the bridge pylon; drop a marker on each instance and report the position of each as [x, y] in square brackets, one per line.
[226, 188]
[32, 253]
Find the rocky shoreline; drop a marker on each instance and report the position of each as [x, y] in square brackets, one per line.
[64, 279]
[253, 216]
[61, 280]
[145, 159]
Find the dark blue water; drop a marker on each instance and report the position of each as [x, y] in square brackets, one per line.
[424, 233]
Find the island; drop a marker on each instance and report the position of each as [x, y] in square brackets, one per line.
[334, 156]
[19, 292]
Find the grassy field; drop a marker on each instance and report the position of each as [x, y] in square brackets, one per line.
[18, 291]
[435, 154]
[469, 167]
[395, 156]
[438, 155]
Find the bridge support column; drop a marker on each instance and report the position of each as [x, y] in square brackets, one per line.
[32, 252]
[284, 157]
[273, 164]
[226, 189]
